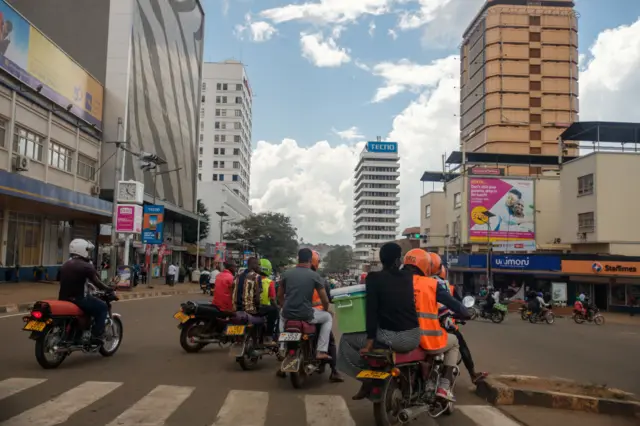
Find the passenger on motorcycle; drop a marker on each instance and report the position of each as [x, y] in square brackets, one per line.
[268, 304]
[428, 293]
[223, 287]
[539, 305]
[588, 306]
[74, 274]
[295, 295]
[247, 288]
[465, 352]
[391, 317]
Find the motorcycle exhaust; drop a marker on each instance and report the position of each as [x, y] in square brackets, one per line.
[411, 413]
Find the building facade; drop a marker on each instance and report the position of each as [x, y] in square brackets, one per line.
[376, 200]
[224, 150]
[519, 78]
[224, 206]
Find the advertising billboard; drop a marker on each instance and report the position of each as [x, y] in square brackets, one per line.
[128, 218]
[385, 147]
[32, 58]
[511, 205]
[153, 225]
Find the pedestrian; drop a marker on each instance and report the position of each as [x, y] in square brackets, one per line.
[172, 270]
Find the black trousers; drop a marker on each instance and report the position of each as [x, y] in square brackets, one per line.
[465, 353]
[272, 314]
[333, 351]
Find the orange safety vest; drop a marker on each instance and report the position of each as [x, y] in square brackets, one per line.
[433, 336]
[316, 302]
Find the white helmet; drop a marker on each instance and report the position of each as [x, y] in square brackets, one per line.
[80, 247]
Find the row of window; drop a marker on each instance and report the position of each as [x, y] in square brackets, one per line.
[375, 228]
[386, 237]
[220, 177]
[377, 194]
[376, 219]
[224, 100]
[378, 211]
[223, 125]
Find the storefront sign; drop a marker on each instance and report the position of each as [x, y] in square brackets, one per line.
[530, 263]
[128, 219]
[511, 206]
[599, 267]
[153, 225]
[487, 171]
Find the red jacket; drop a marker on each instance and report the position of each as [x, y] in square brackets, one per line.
[222, 292]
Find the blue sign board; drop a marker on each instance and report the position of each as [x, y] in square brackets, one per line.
[505, 261]
[153, 224]
[390, 147]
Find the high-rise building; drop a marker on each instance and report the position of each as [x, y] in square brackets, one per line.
[519, 77]
[375, 200]
[225, 127]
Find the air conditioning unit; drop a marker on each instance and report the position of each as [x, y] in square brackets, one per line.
[95, 190]
[21, 163]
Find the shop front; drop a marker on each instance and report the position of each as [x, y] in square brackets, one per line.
[612, 285]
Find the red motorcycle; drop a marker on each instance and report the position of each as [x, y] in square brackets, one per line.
[60, 328]
[300, 339]
[580, 314]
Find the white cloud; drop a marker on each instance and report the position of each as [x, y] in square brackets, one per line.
[427, 12]
[323, 52]
[259, 31]
[372, 28]
[392, 34]
[327, 11]
[350, 134]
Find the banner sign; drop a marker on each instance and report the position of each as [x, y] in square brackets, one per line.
[388, 147]
[517, 262]
[153, 225]
[128, 218]
[123, 279]
[601, 267]
[510, 205]
[32, 58]
[221, 251]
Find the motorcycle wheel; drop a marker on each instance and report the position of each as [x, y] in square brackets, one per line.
[299, 378]
[550, 318]
[523, 315]
[43, 348]
[533, 318]
[385, 412]
[110, 347]
[497, 317]
[246, 362]
[187, 331]
[474, 313]
[598, 319]
[578, 318]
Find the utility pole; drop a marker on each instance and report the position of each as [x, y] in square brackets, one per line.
[119, 171]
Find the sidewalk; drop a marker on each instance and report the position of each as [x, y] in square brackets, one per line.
[19, 297]
[536, 416]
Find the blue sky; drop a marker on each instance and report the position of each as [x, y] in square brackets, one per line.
[297, 99]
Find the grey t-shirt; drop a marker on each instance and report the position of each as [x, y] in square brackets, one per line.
[298, 285]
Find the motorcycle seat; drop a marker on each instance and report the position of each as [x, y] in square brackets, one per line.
[415, 355]
[300, 327]
[63, 308]
[245, 318]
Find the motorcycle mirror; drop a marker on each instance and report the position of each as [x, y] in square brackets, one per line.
[469, 301]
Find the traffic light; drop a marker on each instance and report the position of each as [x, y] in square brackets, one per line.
[148, 161]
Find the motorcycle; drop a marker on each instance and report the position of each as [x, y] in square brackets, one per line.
[548, 316]
[205, 284]
[300, 339]
[404, 384]
[525, 312]
[201, 324]
[60, 328]
[580, 314]
[247, 333]
[497, 314]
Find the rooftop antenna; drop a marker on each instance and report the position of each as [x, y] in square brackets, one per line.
[378, 138]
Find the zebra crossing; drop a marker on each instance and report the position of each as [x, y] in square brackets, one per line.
[162, 405]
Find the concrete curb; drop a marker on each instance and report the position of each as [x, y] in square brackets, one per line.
[123, 295]
[498, 393]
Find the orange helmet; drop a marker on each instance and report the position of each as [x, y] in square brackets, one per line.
[315, 260]
[443, 272]
[436, 263]
[420, 259]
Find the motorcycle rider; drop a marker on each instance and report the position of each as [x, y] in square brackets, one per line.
[74, 274]
[268, 304]
[295, 295]
[434, 340]
[223, 287]
[247, 288]
[540, 305]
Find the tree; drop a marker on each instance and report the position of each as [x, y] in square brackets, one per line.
[338, 260]
[191, 228]
[271, 234]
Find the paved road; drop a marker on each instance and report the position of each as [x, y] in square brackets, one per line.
[152, 381]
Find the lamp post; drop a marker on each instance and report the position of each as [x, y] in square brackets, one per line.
[489, 215]
[222, 215]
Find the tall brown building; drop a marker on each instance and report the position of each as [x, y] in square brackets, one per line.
[519, 76]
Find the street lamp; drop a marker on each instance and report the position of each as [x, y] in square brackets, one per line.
[222, 215]
[488, 215]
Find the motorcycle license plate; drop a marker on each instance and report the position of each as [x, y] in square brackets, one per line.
[529, 312]
[35, 326]
[290, 337]
[234, 330]
[368, 374]
[181, 316]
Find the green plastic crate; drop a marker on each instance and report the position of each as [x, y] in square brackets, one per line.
[351, 313]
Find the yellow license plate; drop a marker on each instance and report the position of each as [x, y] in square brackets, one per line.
[235, 330]
[35, 326]
[529, 312]
[181, 316]
[368, 374]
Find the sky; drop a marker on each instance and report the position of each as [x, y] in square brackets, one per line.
[328, 75]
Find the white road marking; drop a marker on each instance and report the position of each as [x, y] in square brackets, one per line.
[59, 409]
[327, 410]
[486, 415]
[155, 408]
[14, 385]
[243, 408]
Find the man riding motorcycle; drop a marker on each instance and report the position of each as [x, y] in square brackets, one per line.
[268, 304]
[247, 288]
[74, 274]
[428, 293]
[539, 305]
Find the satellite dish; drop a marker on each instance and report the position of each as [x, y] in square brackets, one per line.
[469, 301]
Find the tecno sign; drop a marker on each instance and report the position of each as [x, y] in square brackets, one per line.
[390, 147]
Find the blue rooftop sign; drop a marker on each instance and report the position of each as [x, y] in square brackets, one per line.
[390, 147]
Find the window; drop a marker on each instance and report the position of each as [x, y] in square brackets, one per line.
[238, 86]
[585, 185]
[535, 118]
[534, 53]
[214, 177]
[201, 150]
[535, 102]
[236, 164]
[224, 112]
[25, 236]
[27, 143]
[235, 178]
[225, 86]
[60, 157]
[236, 138]
[586, 222]
[215, 164]
[199, 163]
[534, 69]
[427, 212]
[535, 135]
[535, 170]
[534, 37]
[215, 151]
[204, 87]
[3, 129]
[221, 177]
[201, 137]
[202, 125]
[238, 100]
[217, 113]
[222, 151]
[218, 86]
[224, 99]
[534, 21]
[457, 200]
[218, 99]
[535, 86]
[223, 138]
[535, 151]
[202, 98]
[238, 113]
[236, 151]
[216, 138]
[202, 113]
[222, 164]
[86, 167]
[223, 125]
[216, 125]
[237, 126]
[199, 176]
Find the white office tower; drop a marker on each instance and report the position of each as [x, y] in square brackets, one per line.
[225, 127]
[375, 200]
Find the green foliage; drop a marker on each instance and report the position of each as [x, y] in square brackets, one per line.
[191, 227]
[338, 260]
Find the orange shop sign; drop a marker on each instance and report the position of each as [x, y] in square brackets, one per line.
[598, 267]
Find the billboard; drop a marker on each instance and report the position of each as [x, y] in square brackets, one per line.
[153, 225]
[511, 202]
[32, 58]
[128, 218]
[385, 147]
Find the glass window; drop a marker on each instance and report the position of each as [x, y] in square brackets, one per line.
[24, 242]
[86, 167]
[60, 157]
[457, 200]
[221, 177]
[235, 178]
[222, 151]
[27, 143]
[215, 177]
[3, 129]
[585, 184]
[633, 295]
[618, 295]
[238, 86]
